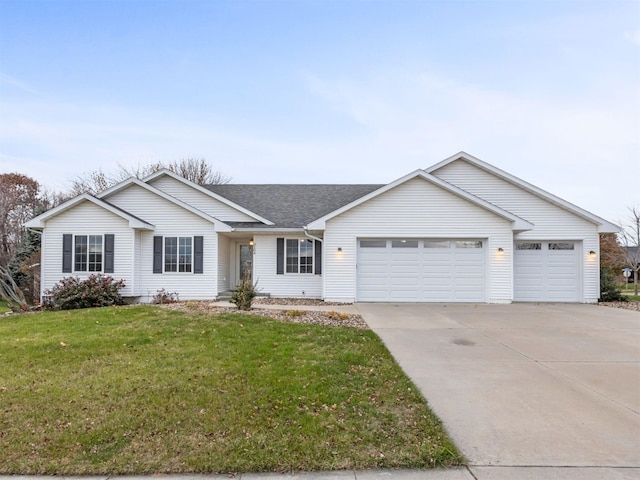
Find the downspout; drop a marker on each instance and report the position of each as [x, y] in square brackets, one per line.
[306, 232]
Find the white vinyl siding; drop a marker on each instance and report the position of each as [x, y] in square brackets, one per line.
[551, 222]
[433, 270]
[87, 219]
[286, 285]
[421, 210]
[225, 254]
[200, 200]
[170, 220]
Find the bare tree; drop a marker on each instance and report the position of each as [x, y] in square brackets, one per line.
[198, 171]
[18, 202]
[193, 169]
[631, 240]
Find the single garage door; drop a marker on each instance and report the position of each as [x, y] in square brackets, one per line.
[410, 270]
[547, 272]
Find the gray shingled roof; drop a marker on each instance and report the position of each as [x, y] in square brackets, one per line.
[291, 206]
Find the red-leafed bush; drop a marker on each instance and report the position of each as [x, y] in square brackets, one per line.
[96, 291]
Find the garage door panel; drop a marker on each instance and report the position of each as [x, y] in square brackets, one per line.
[547, 272]
[424, 270]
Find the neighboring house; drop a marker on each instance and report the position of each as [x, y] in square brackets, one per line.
[459, 231]
[631, 253]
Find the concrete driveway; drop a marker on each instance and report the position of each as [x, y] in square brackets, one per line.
[524, 384]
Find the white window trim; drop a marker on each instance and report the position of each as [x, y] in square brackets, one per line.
[73, 253]
[299, 241]
[164, 255]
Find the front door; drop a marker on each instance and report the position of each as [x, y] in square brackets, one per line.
[246, 261]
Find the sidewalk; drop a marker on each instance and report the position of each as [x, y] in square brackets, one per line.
[346, 308]
[459, 473]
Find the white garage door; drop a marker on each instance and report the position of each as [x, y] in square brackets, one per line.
[410, 270]
[547, 272]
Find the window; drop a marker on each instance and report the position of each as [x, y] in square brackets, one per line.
[469, 244]
[373, 244]
[528, 246]
[299, 256]
[95, 253]
[437, 244]
[88, 253]
[404, 244]
[80, 254]
[561, 246]
[178, 254]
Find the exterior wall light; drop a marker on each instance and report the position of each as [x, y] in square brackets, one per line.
[251, 242]
[500, 250]
[592, 253]
[339, 249]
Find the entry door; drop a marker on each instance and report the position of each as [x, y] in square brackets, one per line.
[246, 261]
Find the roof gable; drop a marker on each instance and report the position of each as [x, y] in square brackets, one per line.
[134, 222]
[604, 226]
[219, 225]
[208, 192]
[518, 223]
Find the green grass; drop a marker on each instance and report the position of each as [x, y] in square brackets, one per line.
[3, 307]
[135, 390]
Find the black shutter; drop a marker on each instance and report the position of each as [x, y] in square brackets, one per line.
[280, 256]
[157, 254]
[67, 252]
[198, 254]
[108, 252]
[318, 257]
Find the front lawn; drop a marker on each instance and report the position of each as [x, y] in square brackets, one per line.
[3, 307]
[134, 390]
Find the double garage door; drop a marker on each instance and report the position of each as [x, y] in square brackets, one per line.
[547, 271]
[424, 270]
[436, 270]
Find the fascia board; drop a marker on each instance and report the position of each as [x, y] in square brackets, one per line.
[517, 222]
[39, 221]
[268, 231]
[603, 225]
[211, 194]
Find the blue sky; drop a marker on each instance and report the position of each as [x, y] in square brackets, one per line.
[327, 91]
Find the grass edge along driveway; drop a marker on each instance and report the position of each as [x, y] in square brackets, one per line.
[134, 390]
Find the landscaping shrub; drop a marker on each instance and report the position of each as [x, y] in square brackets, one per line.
[244, 293]
[163, 297]
[96, 291]
[337, 315]
[609, 291]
